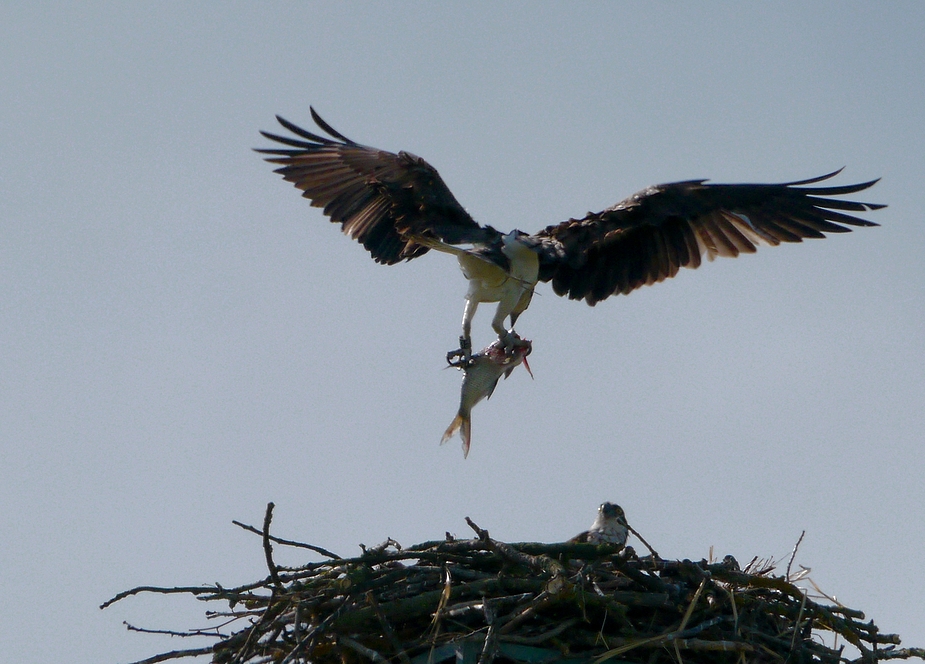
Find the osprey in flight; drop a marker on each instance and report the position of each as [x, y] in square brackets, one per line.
[398, 208]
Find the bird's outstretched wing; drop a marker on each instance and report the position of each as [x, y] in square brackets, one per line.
[651, 235]
[387, 202]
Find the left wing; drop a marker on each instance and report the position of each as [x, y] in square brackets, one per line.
[395, 205]
[651, 235]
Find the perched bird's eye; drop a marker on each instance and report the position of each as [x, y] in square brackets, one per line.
[611, 510]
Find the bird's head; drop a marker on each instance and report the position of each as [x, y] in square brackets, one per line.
[513, 239]
[611, 511]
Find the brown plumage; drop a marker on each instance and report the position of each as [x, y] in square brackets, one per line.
[652, 234]
[398, 207]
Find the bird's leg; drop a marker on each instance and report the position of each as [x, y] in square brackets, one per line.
[505, 336]
[464, 352]
[507, 339]
[462, 355]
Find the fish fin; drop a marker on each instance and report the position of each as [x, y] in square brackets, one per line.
[453, 428]
[493, 386]
[464, 426]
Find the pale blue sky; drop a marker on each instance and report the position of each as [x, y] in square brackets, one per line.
[183, 338]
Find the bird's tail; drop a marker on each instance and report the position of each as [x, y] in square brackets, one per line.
[462, 424]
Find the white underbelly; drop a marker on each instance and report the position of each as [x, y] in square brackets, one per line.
[489, 283]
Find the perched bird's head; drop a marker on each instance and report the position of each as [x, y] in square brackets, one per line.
[611, 511]
[609, 527]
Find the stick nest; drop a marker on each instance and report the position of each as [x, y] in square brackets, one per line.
[482, 600]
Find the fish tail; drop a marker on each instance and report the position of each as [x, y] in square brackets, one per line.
[453, 428]
[462, 424]
[466, 433]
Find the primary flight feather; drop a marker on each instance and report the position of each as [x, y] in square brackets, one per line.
[398, 207]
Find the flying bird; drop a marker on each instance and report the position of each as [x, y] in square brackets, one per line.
[398, 207]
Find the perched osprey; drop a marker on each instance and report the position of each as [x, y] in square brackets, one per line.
[397, 206]
[609, 527]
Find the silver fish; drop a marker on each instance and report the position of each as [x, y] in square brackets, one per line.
[481, 374]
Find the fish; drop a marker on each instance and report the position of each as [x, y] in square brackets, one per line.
[481, 373]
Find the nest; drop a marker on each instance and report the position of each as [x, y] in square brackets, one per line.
[478, 601]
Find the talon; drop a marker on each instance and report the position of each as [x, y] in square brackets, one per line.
[508, 340]
[457, 358]
[464, 353]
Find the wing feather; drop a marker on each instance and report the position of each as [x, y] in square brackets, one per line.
[388, 202]
[649, 236]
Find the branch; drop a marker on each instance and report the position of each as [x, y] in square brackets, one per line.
[175, 654]
[645, 543]
[197, 590]
[268, 549]
[279, 540]
[793, 554]
[540, 563]
[211, 632]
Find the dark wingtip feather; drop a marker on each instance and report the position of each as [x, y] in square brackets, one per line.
[839, 190]
[818, 178]
[328, 128]
[298, 131]
[285, 140]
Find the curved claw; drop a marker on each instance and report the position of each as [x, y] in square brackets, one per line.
[457, 358]
[508, 338]
[462, 355]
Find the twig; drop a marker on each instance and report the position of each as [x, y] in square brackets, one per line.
[540, 563]
[360, 648]
[687, 616]
[317, 629]
[445, 595]
[690, 608]
[901, 653]
[490, 647]
[175, 654]
[279, 540]
[540, 602]
[793, 554]
[211, 631]
[796, 625]
[387, 628]
[181, 590]
[268, 548]
[644, 542]
[545, 636]
[660, 638]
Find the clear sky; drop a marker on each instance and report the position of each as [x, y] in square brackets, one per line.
[183, 338]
